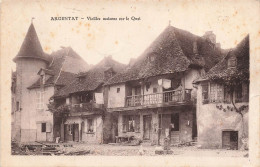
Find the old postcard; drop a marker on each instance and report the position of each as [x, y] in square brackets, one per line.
[130, 83]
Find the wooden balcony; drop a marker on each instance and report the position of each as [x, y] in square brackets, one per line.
[174, 97]
[90, 107]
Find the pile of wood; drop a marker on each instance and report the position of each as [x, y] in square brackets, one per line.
[85, 152]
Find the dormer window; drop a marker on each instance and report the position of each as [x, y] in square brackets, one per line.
[81, 79]
[232, 62]
[109, 73]
[151, 58]
[42, 80]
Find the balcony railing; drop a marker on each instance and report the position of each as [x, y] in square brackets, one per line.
[175, 96]
[86, 107]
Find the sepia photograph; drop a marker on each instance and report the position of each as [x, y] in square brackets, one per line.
[132, 79]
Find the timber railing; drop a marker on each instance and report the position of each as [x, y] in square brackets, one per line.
[174, 96]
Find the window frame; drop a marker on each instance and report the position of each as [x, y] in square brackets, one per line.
[232, 62]
[43, 130]
[117, 90]
[18, 106]
[40, 100]
[218, 93]
[239, 93]
[206, 86]
[127, 120]
[90, 127]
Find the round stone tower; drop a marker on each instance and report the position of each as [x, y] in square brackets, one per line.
[29, 60]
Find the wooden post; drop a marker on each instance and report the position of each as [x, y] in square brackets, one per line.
[80, 132]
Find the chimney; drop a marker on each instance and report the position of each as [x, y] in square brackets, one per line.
[218, 45]
[209, 35]
[131, 62]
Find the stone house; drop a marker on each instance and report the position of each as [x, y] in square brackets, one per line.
[83, 104]
[155, 96]
[38, 75]
[222, 101]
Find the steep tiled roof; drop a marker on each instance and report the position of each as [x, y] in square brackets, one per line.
[221, 71]
[92, 79]
[31, 47]
[171, 52]
[61, 75]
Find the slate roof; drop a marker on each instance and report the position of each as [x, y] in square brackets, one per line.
[31, 47]
[91, 79]
[172, 52]
[221, 71]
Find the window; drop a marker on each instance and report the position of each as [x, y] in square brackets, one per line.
[175, 122]
[154, 90]
[232, 62]
[90, 127]
[17, 105]
[82, 78]
[69, 126]
[13, 88]
[81, 98]
[43, 127]
[238, 93]
[151, 58]
[205, 93]
[118, 90]
[245, 92]
[40, 100]
[227, 96]
[131, 123]
[216, 92]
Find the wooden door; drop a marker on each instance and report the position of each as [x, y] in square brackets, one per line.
[234, 140]
[138, 97]
[76, 132]
[147, 127]
[230, 140]
[68, 132]
[175, 128]
[225, 139]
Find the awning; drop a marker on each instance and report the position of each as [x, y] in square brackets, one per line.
[73, 121]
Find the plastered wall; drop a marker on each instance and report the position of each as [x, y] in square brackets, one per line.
[212, 121]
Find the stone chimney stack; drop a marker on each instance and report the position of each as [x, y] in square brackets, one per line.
[209, 35]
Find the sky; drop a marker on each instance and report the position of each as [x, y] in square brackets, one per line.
[123, 40]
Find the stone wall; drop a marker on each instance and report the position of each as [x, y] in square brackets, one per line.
[212, 121]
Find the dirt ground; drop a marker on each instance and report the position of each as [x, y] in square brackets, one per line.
[117, 150]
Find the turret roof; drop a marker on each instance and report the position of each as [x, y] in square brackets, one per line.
[31, 47]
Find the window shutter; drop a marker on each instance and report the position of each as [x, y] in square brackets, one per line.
[220, 93]
[48, 127]
[137, 123]
[94, 124]
[238, 93]
[125, 123]
[83, 126]
[227, 96]
[213, 92]
[205, 93]
[86, 126]
[245, 92]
